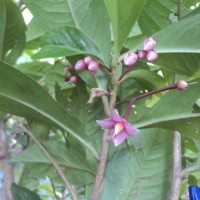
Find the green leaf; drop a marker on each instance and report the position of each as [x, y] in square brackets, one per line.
[120, 13]
[185, 65]
[71, 159]
[2, 25]
[146, 77]
[142, 173]
[22, 193]
[186, 41]
[66, 41]
[175, 112]
[12, 31]
[87, 113]
[22, 96]
[156, 15]
[89, 16]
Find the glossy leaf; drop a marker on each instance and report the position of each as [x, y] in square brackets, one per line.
[66, 42]
[140, 174]
[22, 96]
[120, 13]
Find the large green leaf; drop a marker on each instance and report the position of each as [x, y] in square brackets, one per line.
[87, 113]
[22, 193]
[175, 112]
[89, 16]
[186, 41]
[12, 31]
[66, 41]
[123, 16]
[73, 161]
[20, 95]
[156, 15]
[184, 65]
[141, 174]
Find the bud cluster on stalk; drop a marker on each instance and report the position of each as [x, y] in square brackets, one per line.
[120, 128]
[148, 52]
[87, 64]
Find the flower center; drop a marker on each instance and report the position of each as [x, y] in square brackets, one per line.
[118, 128]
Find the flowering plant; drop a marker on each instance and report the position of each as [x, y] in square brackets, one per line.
[99, 99]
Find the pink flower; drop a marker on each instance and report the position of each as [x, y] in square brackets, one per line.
[80, 65]
[141, 54]
[120, 128]
[130, 58]
[93, 67]
[152, 56]
[149, 44]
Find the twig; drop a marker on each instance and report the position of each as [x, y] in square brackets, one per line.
[176, 181]
[101, 167]
[8, 169]
[53, 162]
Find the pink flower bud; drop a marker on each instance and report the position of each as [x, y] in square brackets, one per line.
[152, 56]
[130, 58]
[73, 79]
[141, 54]
[181, 85]
[93, 67]
[87, 60]
[149, 44]
[80, 65]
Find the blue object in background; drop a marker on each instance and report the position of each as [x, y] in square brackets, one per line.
[194, 192]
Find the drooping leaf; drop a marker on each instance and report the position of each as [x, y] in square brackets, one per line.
[142, 173]
[22, 193]
[120, 13]
[22, 96]
[66, 41]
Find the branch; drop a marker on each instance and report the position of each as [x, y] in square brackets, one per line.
[176, 181]
[8, 169]
[101, 166]
[53, 162]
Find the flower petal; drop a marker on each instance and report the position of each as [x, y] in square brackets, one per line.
[119, 138]
[106, 123]
[115, 116]
[130, 129]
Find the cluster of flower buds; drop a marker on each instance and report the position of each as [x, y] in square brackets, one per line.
[87, 64]
[148, 52]
[69, 77]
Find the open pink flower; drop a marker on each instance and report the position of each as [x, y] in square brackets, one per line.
[120, 128]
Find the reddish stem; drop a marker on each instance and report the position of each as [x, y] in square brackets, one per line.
[125, 72]
[128, 109]
[105, 67]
